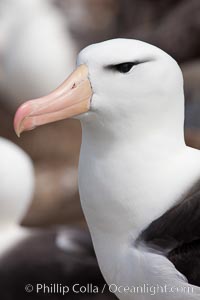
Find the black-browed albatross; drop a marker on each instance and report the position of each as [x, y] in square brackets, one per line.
[138, 181]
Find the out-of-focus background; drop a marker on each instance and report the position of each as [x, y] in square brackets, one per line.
[39, 41]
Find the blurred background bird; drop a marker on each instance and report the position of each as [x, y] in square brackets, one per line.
[36, 49]
[39, 41]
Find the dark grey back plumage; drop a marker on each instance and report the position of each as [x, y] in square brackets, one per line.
[176, 234]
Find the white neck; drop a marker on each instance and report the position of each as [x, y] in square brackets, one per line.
[109, 174]
[124, 185]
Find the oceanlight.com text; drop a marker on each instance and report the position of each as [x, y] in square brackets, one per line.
[56, 288]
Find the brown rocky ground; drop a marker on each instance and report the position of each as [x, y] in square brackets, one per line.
[191, 73]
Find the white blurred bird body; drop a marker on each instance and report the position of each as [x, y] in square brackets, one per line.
[36, 49]
[16, 193]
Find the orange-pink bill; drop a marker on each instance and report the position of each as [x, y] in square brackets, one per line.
[70, 99]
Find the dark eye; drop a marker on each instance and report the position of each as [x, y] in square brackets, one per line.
[124, 67]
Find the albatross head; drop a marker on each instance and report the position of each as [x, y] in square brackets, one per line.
[117, 83]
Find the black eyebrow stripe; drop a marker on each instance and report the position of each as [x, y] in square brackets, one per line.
[135, 63]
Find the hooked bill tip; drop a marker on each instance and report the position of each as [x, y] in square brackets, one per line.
[17, 130]
[20, 115]
[18, 134]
